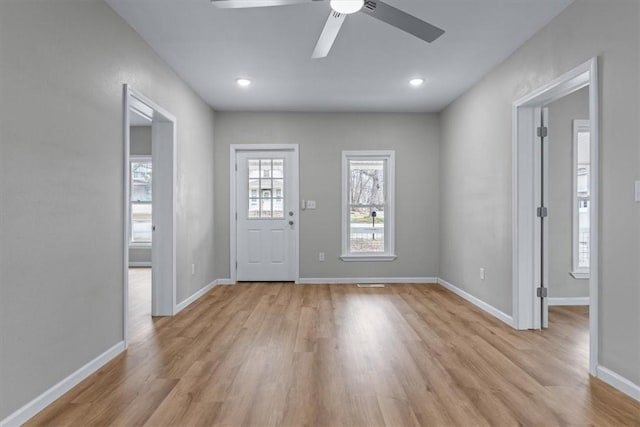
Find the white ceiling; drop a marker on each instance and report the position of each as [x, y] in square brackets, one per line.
[368, 68]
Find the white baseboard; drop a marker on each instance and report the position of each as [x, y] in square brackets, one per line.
[618, 381]
[29, 410]
[353, 280]
[478, 303]
[184, 304]
[569, 301]
[225, 282]
[139, 264]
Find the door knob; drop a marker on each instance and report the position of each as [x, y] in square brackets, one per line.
[290, 213]
[290, 222]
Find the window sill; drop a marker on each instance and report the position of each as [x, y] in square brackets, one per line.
[369, 257]
[139, 245]
[577, 275]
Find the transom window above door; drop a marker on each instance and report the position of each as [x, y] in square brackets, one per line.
[266, 188]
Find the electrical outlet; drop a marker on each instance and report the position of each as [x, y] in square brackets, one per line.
[482, 275]
[193, 269]
[311, 204]
[321, 256]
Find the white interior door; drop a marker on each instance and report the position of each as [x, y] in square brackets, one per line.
[266, 215]
[162, 248]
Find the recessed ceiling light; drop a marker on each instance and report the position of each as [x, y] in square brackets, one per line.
[242, 82]
[418, 81]
[346, 6]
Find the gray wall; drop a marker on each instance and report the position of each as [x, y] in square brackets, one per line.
[140, 140]
[140, 145]
[322, 138]
[562, 113]
[476, 168]
[61, 185]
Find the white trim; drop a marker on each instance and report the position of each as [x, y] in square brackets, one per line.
[184, 304]
[32, 408]
[478, 303]
[524, 237]
[133, 99]
[225, 282]
[568, 301]
[619, 382]
[356, 280]
[233, 244]
[579, 276]
[361, 258]
[139, 264]
[139, 245]
[389, 224]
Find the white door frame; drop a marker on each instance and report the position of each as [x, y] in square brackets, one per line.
[164, 132]
[526, 186]
[234, 149]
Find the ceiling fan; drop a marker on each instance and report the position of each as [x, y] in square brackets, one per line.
[340, 9]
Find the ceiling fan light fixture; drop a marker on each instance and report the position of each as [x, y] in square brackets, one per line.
[243, 82]
[416, 82]
[346, 6]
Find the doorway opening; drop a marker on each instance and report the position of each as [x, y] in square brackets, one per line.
[150, 212]
[533, 218]
[264, 212]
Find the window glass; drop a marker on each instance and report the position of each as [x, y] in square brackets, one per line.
[266, 188]
[141, 198]
[366, 206]
[581, 197]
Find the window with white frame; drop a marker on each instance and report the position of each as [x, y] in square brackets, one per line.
[140, 200]
[368, 205]
[581, 199]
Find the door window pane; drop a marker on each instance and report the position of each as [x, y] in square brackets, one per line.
[278, 208]
[266, 193]
[254, 168]
[278, 168]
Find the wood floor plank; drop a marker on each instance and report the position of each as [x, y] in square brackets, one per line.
[279, 354]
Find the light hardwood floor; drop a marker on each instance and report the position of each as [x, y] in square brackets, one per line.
[332, 355]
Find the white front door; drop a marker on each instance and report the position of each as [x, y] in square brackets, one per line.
[267, 215]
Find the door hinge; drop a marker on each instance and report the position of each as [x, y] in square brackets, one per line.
[236, 265]
[236, 216]
[236, 167]
[541, 292]
[543, 131]
[542, 212]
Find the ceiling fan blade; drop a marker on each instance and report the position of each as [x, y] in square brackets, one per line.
[328, 35]
[402, 20]
[237, 4]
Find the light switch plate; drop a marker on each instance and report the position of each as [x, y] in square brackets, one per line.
[311, 204]
[638, 191]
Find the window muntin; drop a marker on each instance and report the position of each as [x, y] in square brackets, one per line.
[581, 198]
[141, 211]
[368, 205]
[266, 188]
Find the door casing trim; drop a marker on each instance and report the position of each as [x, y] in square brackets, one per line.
[524, 190]
[234, 149]
[133, 99]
